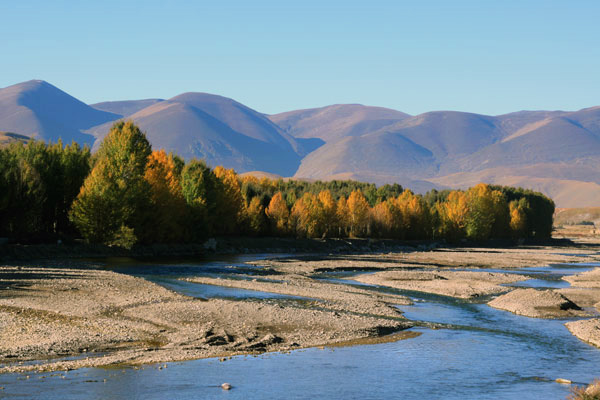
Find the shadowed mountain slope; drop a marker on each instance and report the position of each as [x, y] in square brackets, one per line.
[217, 129]
[380, 153]
[39, 110]
[415, 146]
[556, 152]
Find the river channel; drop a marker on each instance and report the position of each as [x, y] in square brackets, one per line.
[478, 352]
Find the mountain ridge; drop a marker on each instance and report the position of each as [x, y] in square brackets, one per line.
[217, 129]
[556, 151]
[40, 110]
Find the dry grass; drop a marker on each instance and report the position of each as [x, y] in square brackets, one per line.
[572, 216]
[591, 392]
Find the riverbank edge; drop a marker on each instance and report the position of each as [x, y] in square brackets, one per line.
[248, 245]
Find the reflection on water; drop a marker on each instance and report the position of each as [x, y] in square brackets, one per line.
[484, 353]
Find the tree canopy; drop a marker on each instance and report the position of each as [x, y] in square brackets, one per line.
[127, 194]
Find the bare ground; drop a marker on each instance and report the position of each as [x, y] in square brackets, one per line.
[106, 318]
[460, 284]
[520, 257]
[538, 304]
[55, 312]
[332, 296]
[587, 330]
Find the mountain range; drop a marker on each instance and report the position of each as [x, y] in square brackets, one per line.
[556, 152]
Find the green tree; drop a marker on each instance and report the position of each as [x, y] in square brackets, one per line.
[38, 183]
[485, 207]
[200, 189]
[112, 205]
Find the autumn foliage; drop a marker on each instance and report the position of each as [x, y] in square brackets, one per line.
[130, 194]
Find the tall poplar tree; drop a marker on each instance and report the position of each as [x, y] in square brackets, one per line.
[112, 205]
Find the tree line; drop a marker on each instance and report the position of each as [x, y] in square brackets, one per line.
[127, 193]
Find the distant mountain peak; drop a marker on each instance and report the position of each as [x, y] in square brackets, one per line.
[40, 110]
[557, 152]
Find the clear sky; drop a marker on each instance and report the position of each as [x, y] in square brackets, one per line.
[482, 56]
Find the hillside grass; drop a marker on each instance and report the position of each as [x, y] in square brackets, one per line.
[577, 216]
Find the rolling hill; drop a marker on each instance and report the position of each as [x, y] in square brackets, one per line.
[556, 152]
[337, 121]
[217, 129]
[41, 111]
[126, 107]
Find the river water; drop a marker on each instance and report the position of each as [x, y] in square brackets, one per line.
[480, 353]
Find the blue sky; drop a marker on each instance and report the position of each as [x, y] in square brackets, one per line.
[489, 57]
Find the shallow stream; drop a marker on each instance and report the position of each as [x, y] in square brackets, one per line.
[480, 353]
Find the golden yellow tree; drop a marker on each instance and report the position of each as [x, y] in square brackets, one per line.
[411, 214]
[278, 214]
[382, 219]
[518, 218]
[230, 199]
[168, 204]
[358, 211]
[250, 179]
[453, 215]
[305, 216]
[328, 214]
[343, 217]
[255, 213]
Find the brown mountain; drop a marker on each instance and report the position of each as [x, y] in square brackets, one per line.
[337, 121]
[217, 129]
[126, 107]
[556, 152]
[39, 110]
[552, 151]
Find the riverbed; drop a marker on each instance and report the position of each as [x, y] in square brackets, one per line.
[475, 351]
